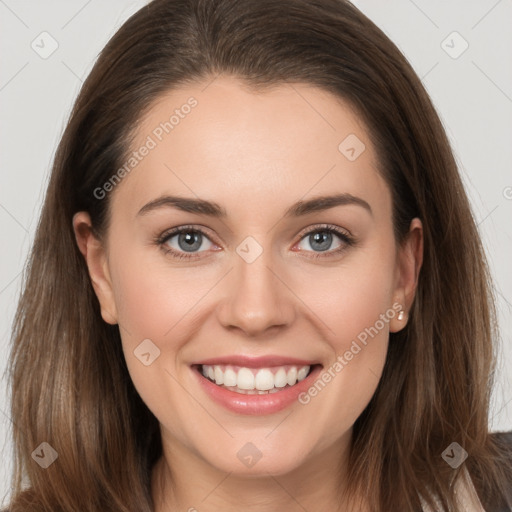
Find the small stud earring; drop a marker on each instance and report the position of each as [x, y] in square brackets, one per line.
[401, 315]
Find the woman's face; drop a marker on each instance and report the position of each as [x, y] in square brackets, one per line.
[266, 282]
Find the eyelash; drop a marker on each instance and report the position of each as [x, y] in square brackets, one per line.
[347, 239]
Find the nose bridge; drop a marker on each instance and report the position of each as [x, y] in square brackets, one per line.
[257, 300]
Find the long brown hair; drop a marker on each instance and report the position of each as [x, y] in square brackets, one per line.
[70, 384]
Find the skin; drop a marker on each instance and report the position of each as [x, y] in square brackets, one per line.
[254, 154]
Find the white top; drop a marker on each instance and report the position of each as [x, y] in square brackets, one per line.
[467, 498]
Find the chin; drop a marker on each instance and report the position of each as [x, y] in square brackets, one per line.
[252, 460]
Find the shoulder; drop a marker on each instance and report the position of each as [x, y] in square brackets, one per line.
[503, 438]
[502, 442]
[467, 496]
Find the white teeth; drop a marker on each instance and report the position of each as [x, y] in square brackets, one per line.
[264, 380]
[245, 379]
[280, 379]
[291, 376]
[301, 374]
[229, 377]
[255, 381]
[219, 376]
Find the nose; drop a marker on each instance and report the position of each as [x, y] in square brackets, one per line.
[257, 300]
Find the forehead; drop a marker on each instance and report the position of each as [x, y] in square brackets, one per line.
[223, 141]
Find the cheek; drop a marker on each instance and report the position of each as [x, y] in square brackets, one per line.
[152, 297]
[351, 297]
[355, 302]
[156, 303]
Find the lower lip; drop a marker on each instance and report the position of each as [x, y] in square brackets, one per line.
[256, 404]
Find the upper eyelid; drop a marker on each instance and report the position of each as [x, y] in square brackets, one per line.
[324, 227]
[169, 233]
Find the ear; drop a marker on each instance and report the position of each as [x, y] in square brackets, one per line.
[96, 259]
[409, 261]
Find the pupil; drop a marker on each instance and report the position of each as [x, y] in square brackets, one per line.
[189, 241]
[322, 240]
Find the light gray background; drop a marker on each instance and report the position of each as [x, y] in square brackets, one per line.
[472, 92]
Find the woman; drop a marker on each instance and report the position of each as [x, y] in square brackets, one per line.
[256, 281]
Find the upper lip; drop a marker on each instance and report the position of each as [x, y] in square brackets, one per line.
[256, 362]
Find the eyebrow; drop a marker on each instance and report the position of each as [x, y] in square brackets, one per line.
[210, 208]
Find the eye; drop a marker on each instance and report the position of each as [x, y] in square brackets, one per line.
[185, 242]
[322, 238]
[188, 242]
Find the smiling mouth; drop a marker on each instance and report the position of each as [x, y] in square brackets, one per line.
[255, 381]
